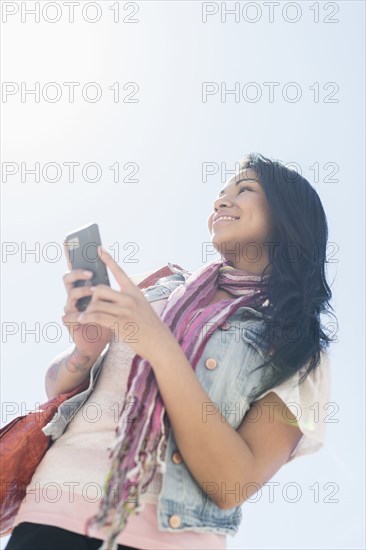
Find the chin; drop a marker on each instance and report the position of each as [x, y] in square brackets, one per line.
[218, 245]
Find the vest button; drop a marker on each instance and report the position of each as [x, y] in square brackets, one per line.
[174, 521]
[176, 457]
[225, 326]
[211, 363]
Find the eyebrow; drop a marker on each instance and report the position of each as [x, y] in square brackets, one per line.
[237, 183]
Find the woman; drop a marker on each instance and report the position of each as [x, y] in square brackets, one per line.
[218, 354]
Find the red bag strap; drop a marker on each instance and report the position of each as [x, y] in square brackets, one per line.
[153, 277]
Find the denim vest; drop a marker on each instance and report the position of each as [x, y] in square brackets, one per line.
[225, 370]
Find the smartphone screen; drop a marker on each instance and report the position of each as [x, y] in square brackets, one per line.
[81, 252]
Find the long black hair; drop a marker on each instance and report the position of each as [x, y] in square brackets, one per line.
[297, 289]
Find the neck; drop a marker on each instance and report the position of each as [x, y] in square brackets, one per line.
[254, 267]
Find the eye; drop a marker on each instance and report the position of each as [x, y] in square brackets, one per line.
[244, 187]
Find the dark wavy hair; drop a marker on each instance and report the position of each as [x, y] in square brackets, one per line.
[297, 290]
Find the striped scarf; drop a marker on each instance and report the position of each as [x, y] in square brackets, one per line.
[140, 444]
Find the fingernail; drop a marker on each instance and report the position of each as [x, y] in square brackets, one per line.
[87, 273]
[81, 317]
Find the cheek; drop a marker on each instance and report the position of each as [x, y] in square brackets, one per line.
[266, 221]
[258, 214]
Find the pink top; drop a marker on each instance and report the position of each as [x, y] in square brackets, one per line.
[66, 487]
[52, 506]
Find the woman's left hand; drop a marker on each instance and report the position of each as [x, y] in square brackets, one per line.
[127, 312]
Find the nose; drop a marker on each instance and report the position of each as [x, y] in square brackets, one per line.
[221, 201]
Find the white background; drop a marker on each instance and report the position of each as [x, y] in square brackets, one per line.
[170, 132]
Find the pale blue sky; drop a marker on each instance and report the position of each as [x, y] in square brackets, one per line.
[169, 134]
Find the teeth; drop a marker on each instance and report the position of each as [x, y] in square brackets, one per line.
[225, 218]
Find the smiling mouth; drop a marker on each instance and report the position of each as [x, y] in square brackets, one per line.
[224, 219]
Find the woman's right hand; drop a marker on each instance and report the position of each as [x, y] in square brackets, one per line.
[90, 340]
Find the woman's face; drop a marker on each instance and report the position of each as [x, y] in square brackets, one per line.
[242, 198]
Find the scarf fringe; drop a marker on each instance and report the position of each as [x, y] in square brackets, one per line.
[138, 452]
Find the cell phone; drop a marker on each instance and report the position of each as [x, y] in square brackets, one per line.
[81, 250]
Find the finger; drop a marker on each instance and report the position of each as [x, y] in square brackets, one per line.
[103, 319]
[121, 277]
[105, 292]
[70, 277]
[101, 306]
[72, 323]
[66, 251]
[70, 320]
[74, 295]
